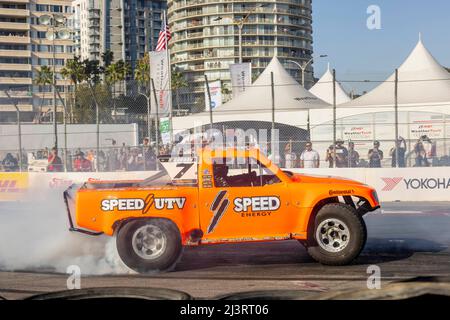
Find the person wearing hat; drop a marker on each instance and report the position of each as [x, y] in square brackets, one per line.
[375, 155]
[81, 164]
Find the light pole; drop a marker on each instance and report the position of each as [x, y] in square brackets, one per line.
[56, 24]
[240, 24]
[19, 131]
[305, 65]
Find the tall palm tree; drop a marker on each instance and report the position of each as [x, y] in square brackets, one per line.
[43, 78]
[74, 71]
[114, 73]
[178, 82]
[142, 72]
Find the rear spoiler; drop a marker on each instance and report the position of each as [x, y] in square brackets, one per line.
[68, 196]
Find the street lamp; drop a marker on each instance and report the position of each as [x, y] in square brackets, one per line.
[56, 24]
[19, 131]
[305, 65]
[240, 24]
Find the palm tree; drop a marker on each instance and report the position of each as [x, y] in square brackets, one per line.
[178, 82]
[142, 72]
[74, 71]
[107, 58]
[116, 72]
[44, 78]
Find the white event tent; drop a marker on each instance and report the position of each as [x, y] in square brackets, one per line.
[323, 89]
[292, 102]
[423, 100]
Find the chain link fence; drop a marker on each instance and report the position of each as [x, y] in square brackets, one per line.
[112, 128]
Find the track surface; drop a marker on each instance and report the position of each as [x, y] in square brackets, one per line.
[406, 240]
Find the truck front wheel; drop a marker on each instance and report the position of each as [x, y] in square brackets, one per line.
[338, 236]
[149, 245]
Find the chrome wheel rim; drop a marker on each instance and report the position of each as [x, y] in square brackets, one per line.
[332, 235]
[149, 242]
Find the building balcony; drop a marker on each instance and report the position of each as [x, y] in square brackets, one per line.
[15, 81]
[15, 66]
[11, 108]
[15, 53]
[14, 12]
[15, 39]
[14, 26]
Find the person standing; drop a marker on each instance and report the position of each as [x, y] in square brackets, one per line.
[341, 154]
[400, 144]
[375, 155]
[54, 162]
[10, 163]
[353, 156]
[289, 156]
[309, 158]
[81, 164]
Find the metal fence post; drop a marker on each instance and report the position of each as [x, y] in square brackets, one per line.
[19, 128]
[334, 118]
[209, 103]
[156, 119]
[272, 135]
[396, 144]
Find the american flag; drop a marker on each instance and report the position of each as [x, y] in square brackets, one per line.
[163, 35]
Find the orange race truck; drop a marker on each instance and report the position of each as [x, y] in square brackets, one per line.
[228, 195]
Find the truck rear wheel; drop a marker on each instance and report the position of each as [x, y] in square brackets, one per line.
[149, 245]
[338, 235]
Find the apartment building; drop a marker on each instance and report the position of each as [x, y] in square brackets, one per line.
[128, 28]
[24, 48]
[206, 36]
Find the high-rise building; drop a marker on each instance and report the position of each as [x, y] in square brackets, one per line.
[127, 28]
[24, 48]
[205, 36]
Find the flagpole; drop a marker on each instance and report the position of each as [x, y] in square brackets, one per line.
[169, 74]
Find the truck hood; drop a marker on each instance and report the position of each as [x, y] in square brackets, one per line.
[307, 178]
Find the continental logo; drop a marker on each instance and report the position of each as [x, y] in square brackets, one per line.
[416, 183]
[341, 192]
[144, 205]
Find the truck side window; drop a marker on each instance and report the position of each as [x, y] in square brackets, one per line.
[242, 172]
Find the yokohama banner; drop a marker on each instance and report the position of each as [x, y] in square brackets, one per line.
[159, 72]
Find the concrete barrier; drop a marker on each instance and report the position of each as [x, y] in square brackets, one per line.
[403, 184]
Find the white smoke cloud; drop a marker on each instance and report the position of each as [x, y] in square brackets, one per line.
[34, 235]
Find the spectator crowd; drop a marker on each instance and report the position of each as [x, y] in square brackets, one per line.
[144, 157]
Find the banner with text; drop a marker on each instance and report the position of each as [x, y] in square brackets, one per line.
[159, 72]
[241, 77]
[215, 90]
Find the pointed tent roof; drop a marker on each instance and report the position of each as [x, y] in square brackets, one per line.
[323, 89]
[289, 95]
[422, 80]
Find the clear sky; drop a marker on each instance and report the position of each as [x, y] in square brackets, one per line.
[357, 53]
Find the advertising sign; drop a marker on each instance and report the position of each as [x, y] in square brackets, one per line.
[241, 77]
[160, 75]
[215, 90]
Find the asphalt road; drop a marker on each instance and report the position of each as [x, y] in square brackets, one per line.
[406, 240]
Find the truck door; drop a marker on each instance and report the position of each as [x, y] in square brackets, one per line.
[243, 200]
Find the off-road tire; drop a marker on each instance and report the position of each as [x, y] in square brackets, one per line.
[357, 231]
[169, 255]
